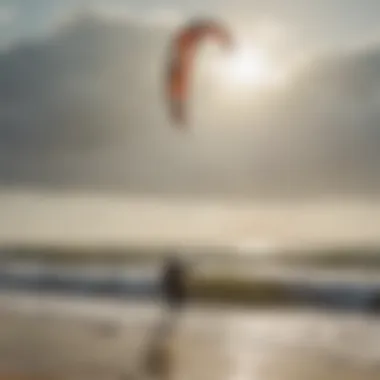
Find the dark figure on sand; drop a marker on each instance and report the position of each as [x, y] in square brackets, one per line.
[174, 285]
[174, 293]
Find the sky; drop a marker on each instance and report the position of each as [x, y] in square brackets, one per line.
[82, 107]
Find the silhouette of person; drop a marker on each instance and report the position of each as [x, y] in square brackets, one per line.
[174, 285]
[174, 292]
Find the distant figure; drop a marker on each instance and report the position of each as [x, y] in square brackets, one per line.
[174, 284]
[159, 356]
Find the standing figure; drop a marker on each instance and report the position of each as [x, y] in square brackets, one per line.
[174, 285]
[161, 352]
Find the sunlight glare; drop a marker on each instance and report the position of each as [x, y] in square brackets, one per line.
[248, 67]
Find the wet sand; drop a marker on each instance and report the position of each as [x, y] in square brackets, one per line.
[50, 337]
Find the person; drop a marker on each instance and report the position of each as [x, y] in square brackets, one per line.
[174, 285]
[174, 294]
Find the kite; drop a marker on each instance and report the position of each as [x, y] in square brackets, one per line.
[181, 59]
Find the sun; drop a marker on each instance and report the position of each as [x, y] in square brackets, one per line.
[248, 67]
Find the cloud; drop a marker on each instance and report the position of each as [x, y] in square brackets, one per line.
[85, 108]
[118, 11]
[7, 15]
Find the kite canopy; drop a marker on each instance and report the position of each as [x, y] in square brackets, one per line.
[181, 58]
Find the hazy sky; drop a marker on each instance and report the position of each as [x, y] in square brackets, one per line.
[82, 103]
[333, 22]
[82, 100]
